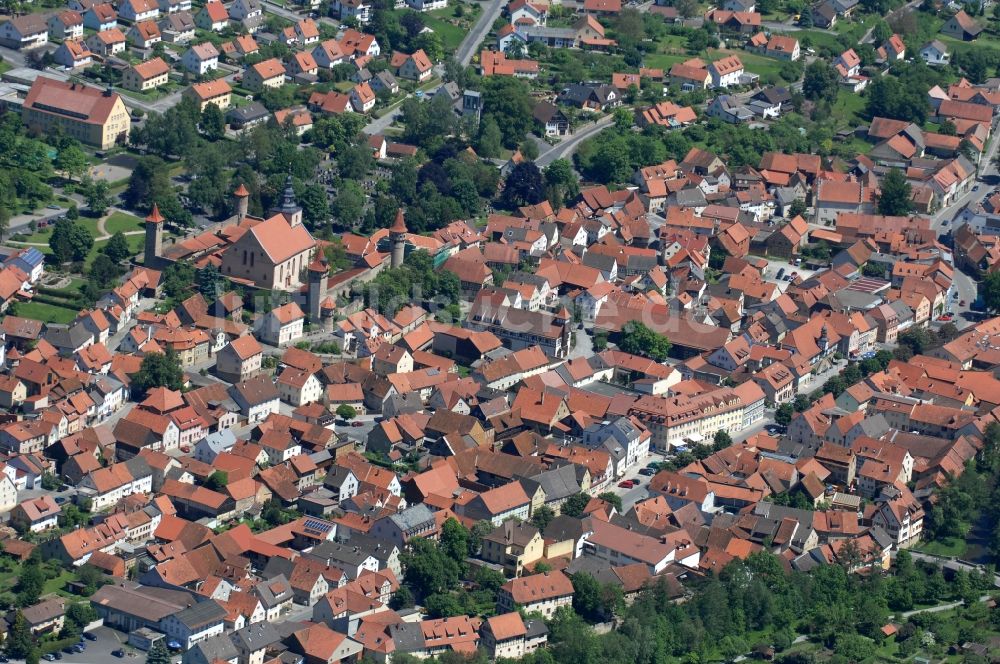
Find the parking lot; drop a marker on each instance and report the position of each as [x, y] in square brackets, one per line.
[99, 651]
[774, 267]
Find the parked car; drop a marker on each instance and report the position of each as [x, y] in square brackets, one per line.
[118, 653]
[781, 272]
[648, 472]
[626, 484]
[186, 449]
[961, 303]
[357, 424]
[89, 636]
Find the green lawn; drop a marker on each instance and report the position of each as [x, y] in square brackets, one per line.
[757, 64]
[819, 38]
[849, 108]
[121, 221]
[43, 235]
[451, 35]
[135, 245]
[952, 547]
[664, 61]
[57, 584]
[47, 313]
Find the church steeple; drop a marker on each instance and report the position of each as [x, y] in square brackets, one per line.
[289, 208]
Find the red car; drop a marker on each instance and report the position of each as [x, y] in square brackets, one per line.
[626, 484]
[357, 424]
[186, 449]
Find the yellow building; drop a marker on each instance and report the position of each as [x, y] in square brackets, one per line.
[215, 92]
[513, 545]
[95, 117]
[146, 75]
[263, 75]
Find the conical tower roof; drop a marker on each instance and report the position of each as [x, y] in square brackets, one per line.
[155, 216]
[398, 226]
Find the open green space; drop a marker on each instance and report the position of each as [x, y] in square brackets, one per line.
[47, 313]
[124, 222]
[951, 547]
[451, 35]
[135, 243]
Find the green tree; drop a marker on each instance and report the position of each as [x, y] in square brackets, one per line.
[622, 119]
[820, 81]
[575, 504]
[455, 540]
[209, 281]
[158, 654]
[524, 186]
[315, 208]
[103, 273]
[542, 517]
[528, 148]
[895, 194]
[4, 221]
[272, 513]
[30, 583]
[797, 208]
[70, 241]
[19, 642]
[989, 290]
[159, 370]
[72, 161]
[560, 177]
[117, 248]
[783, 414]
[721, 440]
[508, 101]
[212, 122]
[490, 140]
[637, 339]
[613, 499]
[349, 203]
[427, 570]
[346, 412]
[217, 480]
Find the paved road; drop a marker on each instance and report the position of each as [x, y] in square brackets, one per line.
[272, 8]
[479, 31]
[568, 146]
[463, 54]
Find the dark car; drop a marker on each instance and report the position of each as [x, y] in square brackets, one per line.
[357, 424]
[118, 653]
[648, 472]
[89, 636]
[57, 655]
[60, 500]
[781, 272]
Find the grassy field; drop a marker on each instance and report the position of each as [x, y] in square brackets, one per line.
[46, 313]
[952, 547]
[135, 245]
[121, 221]
[451, 35]
[819, 38]
[757, 64]
[849, 108]
[43, 235]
